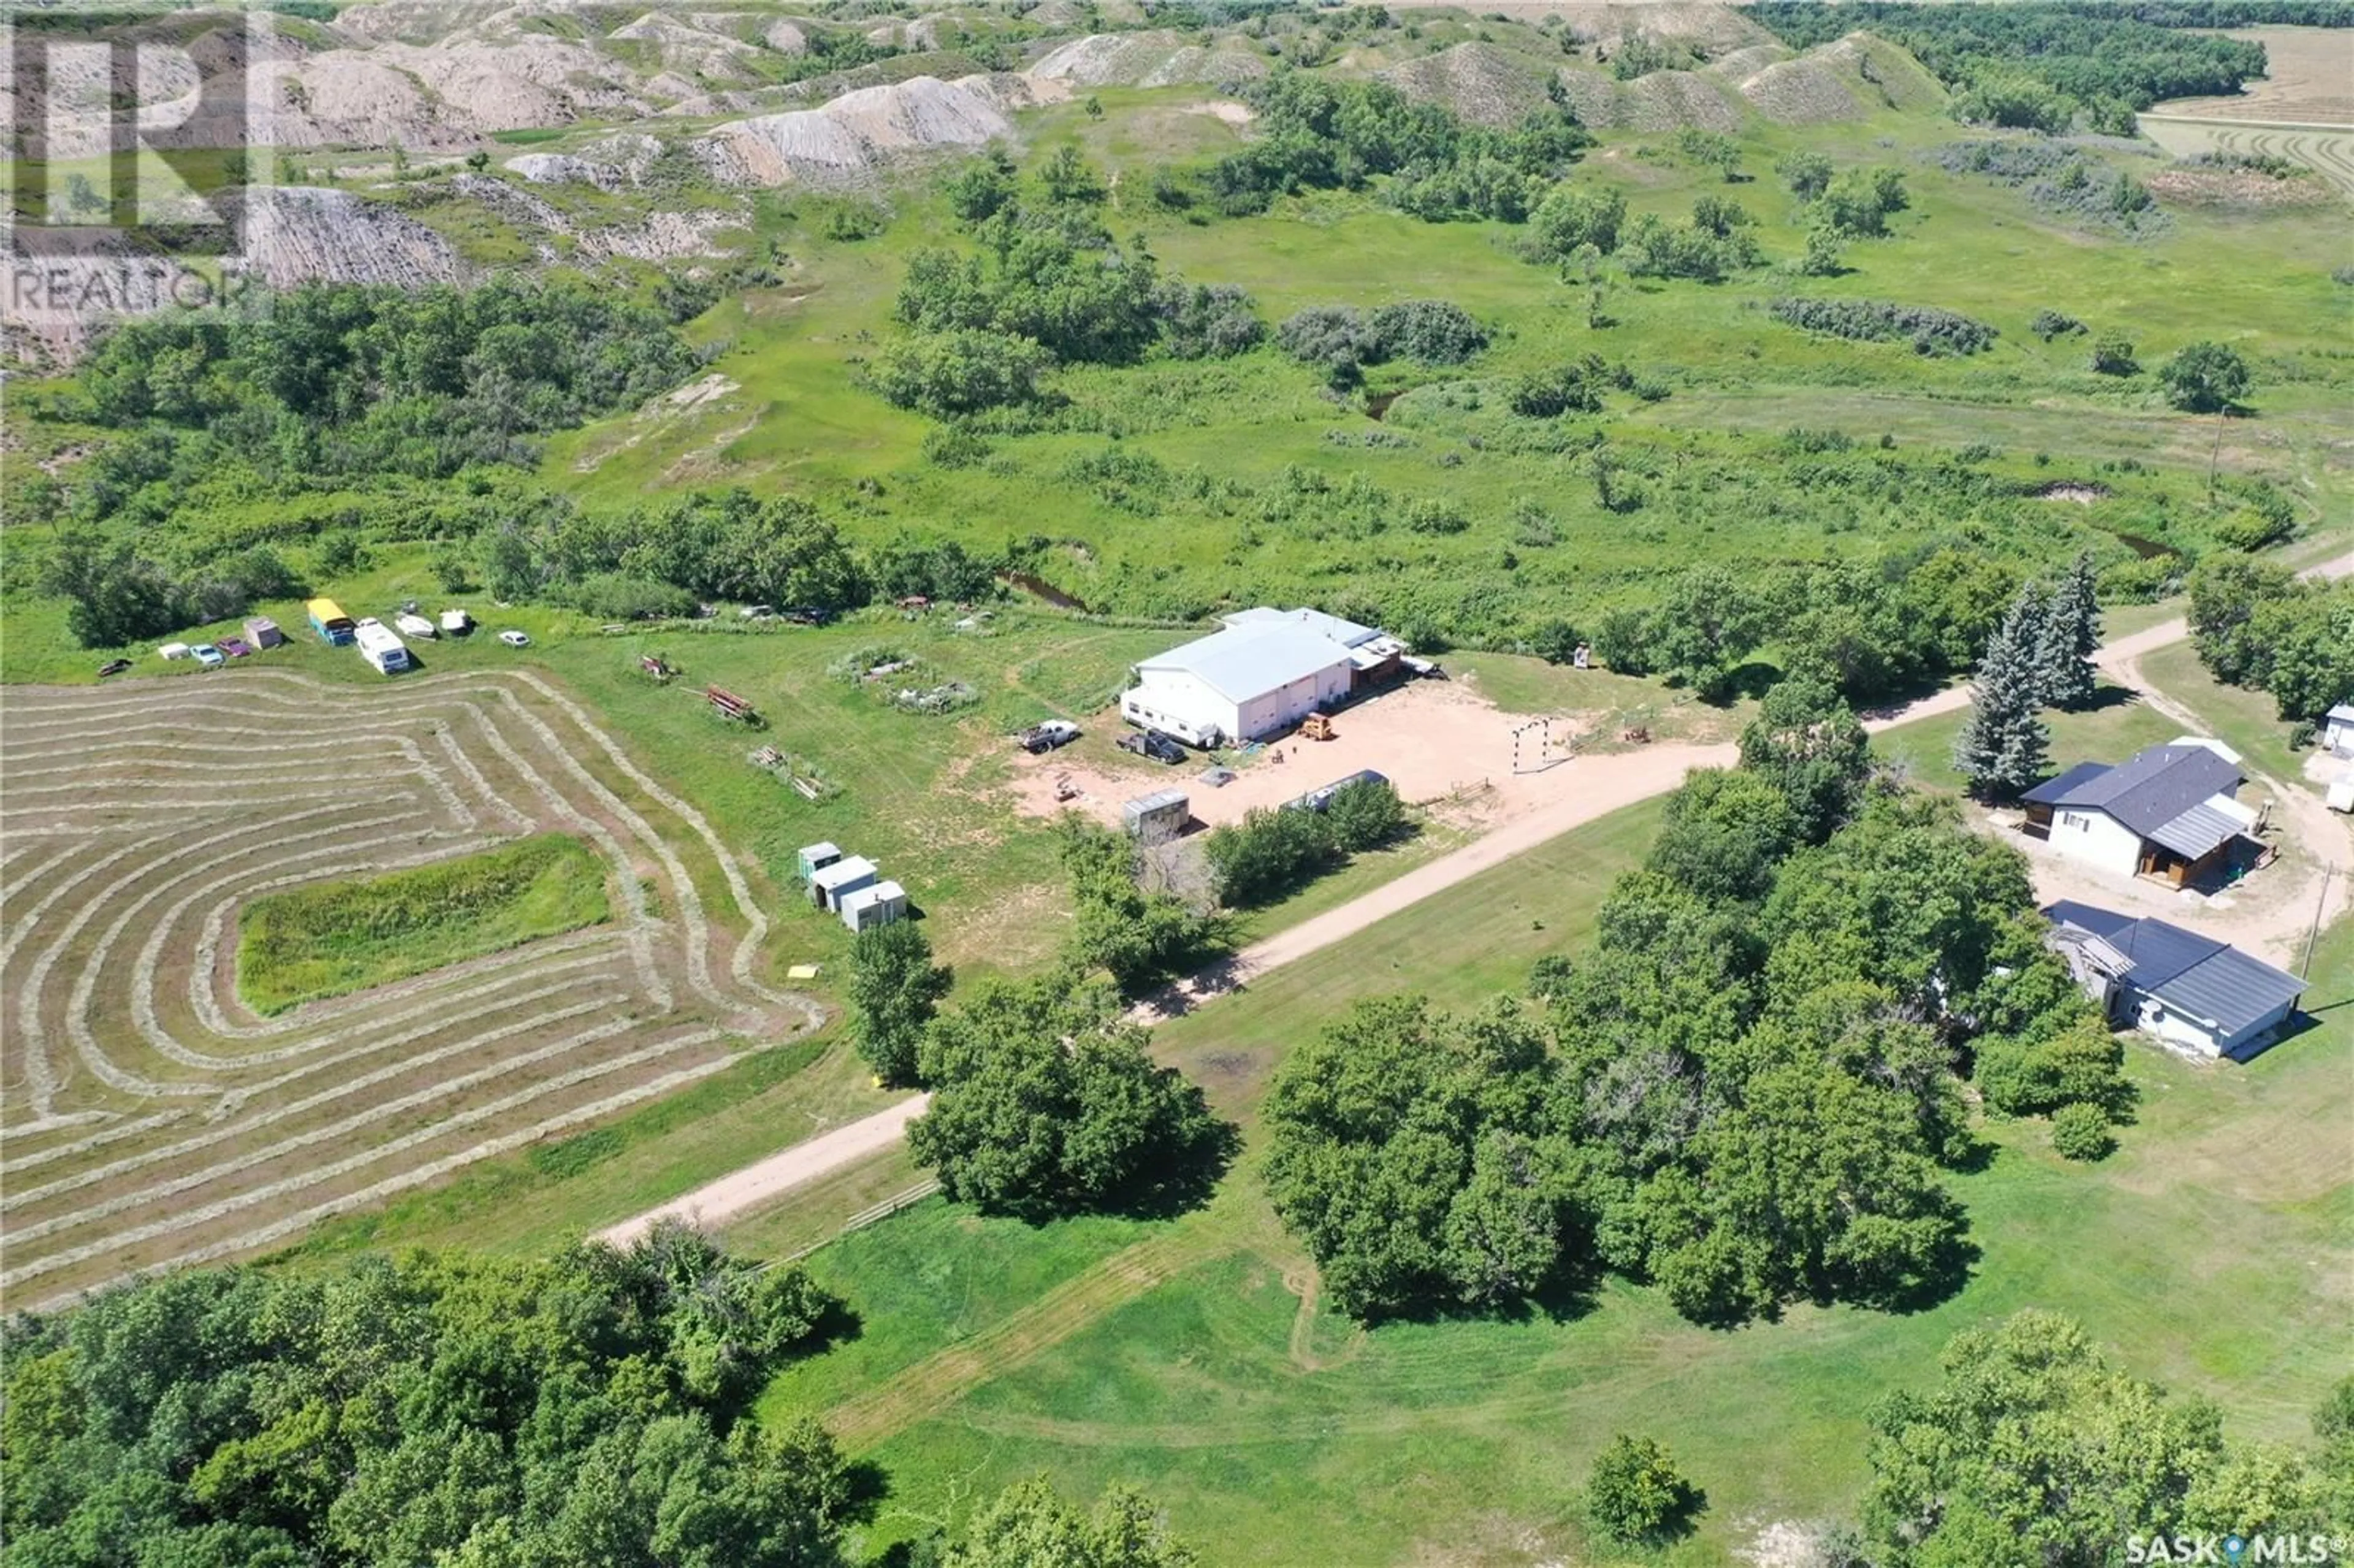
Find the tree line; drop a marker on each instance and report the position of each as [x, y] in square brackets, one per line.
[1744, 1092]
[2257, 624]
[2046, 64]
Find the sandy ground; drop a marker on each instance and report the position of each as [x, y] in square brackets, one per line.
[1414, 735]
[1441, 743]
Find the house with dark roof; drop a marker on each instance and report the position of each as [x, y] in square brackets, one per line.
[2168, 811]
[2193, 993]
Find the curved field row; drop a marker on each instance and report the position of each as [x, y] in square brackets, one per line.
[2326, 150]
[149, 1118]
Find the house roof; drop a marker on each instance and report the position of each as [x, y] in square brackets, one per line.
[1333, 628]
[2197, 832]
[1247, 661]
[2343, 711]
[2147, 790]
[2196, 975]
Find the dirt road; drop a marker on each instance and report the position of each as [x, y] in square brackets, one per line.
[1602, 784]
[740, 1191]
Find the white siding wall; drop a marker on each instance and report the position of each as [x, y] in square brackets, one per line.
[2096, 839]
[1177, 703]
[2340, 737]
[1282, 708]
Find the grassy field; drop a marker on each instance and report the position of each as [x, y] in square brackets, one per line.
[336, 937]
[1192, 1357]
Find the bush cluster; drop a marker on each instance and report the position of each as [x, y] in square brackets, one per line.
[1929, 329]
[1271, 852]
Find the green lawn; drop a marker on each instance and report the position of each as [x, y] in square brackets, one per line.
[337, 938]
[2121, 726]
[2207, 1252]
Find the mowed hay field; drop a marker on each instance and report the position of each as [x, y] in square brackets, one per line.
[1195, 1357]
[155, 1118]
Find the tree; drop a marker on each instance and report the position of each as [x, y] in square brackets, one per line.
[441, 1407]
[1808, 175]
[1030, 1526]
[962, 372]
[2071, 635]
[1573, 217]
[1635, 1494]
[1723, 833]
[894, 991]
[2032, 1444]
[983, 189]
[2113, 354]
[1044, 1102]
[1810, 747]
[1067, 176]
[1134, 936]
[1703, 628]
[2205, 379]
[1822, 257]
[1417, 1156]
[2004, 746]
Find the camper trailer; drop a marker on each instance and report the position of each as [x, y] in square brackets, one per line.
[380, 647]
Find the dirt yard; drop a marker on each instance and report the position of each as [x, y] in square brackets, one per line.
[1446, 748]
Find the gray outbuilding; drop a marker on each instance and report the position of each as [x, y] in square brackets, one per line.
[1151, 818]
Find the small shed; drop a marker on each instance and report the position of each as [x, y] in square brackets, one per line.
[845, 877]
[262, 633]
[878, 904]
[2337, 730]
[1158, 816]
[815, 858]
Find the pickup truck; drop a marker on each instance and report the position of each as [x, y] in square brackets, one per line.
[1047, 736]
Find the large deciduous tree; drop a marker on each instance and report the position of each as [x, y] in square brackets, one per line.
[895, 990]
[1419, 1157]
[1809, 745]
[2033, 1448]
[1044, 1102]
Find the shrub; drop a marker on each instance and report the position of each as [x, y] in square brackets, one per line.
[1635, 1493]
[1572, 217]
[2113, 354]
[2082, 1132]
[2049, 325]
[1208, 321]
[1433, 331]
[1335, 338]
[960, 372]
[1929, 329]
[1808, 175]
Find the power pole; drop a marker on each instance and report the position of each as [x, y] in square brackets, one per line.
[2320, 904]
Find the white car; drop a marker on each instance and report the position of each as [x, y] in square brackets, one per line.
[515, 639]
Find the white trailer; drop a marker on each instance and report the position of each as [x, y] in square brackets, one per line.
[879, 904]
[381, 648]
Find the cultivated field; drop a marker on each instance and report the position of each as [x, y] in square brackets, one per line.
[2327, 150]
[153, 1118]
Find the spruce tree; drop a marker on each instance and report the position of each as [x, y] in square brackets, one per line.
[2072, 630]
[2004, 746]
